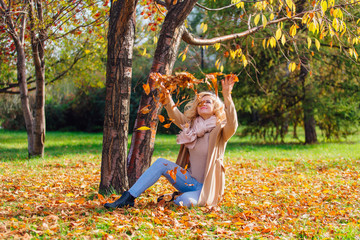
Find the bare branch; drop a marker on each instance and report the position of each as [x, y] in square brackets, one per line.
[225, 7]
[189, 38]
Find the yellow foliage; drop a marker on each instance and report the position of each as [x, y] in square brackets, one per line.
[317, 44]
[293, 30]
[278, 34]
[217, 46]
[309, 42]
[257, 19]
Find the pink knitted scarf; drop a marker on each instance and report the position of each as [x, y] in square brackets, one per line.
[200, 126]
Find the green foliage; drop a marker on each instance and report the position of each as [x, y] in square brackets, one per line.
[10, 113]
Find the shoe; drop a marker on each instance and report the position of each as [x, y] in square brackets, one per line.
[126, 199]
[168, 197]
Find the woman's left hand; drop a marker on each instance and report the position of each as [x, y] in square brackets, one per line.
[227, 85]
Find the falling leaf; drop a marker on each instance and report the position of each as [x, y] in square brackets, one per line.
[161, 118]
[143, 128]
[145, 110]
[146, 87]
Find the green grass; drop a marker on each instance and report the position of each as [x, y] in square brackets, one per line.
[280, 190]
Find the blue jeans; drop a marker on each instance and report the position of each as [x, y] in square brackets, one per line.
[184, 183]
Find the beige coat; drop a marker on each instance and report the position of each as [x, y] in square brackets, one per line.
[214, 181]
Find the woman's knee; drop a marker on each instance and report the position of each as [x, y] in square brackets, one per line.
[161, 161]
[188, 199]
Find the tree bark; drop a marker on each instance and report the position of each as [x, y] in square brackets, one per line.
[24, 94]
[142, 143]
[308, 91]
[309, 119]
[118, 85]
[37, 45]
[18, 39]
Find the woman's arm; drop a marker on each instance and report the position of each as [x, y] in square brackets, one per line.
[174, 113]
[230, 111]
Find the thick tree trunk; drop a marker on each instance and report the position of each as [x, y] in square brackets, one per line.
[308, 107]
[37, 44]
[21, 78]
[24, 95]
[309, 97]
[118, 84]
[142, 143]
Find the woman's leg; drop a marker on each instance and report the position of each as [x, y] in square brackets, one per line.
[184, 182]
[188, 199]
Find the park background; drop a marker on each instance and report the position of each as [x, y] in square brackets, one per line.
[277, 186]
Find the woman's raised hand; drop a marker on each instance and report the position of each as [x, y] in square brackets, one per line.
[227, 85]
[167, 95]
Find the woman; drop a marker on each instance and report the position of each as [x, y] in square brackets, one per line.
[207, 124]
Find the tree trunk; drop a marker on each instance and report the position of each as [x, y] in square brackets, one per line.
[118, 85]
[308, 107]
[24, 94]
[21, 78]
[37, 44]
[309, 97]
[142, 143]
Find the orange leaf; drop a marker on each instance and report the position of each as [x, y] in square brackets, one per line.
[161, 118]
[146, 87]
[145, 110]
[232, 77]
[167, 125]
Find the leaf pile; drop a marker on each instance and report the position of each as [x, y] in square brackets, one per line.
[59, 199]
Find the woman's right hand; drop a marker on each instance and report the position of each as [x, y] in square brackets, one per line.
[167, 95]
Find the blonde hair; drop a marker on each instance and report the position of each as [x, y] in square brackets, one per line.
[191, 108]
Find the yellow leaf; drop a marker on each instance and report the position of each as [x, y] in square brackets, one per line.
[272, 42]
[293, 30]
[264, 43]
[283, 39]
[217, 46]
[183, 57]
[278, 34]
[155, 39]
[289, 3]
[143, 128]
[70, 195]
[245, 62]
[292, 67]
[232, 54]
[205, 28]
[221, 68]
[323, 6]
[87, 51]
[309, 42]
[144, 52]
[257, 19]
[317, 44]
[264, 21]
[272, 16]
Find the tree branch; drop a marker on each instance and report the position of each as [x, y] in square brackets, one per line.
[189, 38]
[8, 90]
[225, 7]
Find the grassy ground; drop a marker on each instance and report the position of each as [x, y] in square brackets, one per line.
[280, 191]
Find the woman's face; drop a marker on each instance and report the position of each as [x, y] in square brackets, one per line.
[205, 107]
